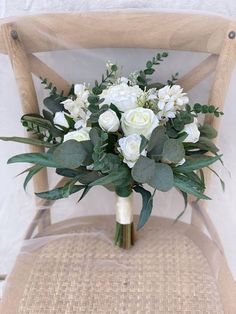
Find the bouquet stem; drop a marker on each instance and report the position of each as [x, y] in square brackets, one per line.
[124, 235]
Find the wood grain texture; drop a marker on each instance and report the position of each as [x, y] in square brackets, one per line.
[40, 69]
[20, 65]
[180, 31]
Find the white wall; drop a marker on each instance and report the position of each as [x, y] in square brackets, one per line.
[16, 206]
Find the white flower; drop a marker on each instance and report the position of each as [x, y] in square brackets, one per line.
[60, 120]
[171, 99]
[124, 97]
[192, 130]
[78, 108]
[78, 135]
[181, 162]
[130, 149]
[139, 121]
[122, 79]
[109, 121]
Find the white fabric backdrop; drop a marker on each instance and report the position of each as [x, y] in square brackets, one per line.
[16, 206]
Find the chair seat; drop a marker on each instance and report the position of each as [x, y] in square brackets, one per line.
[75, 268]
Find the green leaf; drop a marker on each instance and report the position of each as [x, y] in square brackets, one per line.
[26, 140]
[53, 103]
[122, 174]
[72, 154]
[221, 181]
[173, 151]
[208, 131]
[185, 197]
[146, 207]
[143, 169]
[143, 144]
[189, 186]
[69, 173]
[123, 190]
[197, 163]
[162, 177]
[205, 144]
[32, 171]
[85, 191]
[157, 140]
[59, 193]
[43, 159]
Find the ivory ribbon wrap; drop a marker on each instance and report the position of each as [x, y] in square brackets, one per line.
[124, 210]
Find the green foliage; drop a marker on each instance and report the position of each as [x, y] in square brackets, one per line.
[42, 127]
[198, 108]
[206, 130]
[157, 175]
[173, 151]
[149, 70]
[27, 140]
[43, 159]
[61, 192]
[197, 163]
[174, 78]
[162, 178]
[188, 185]
[72, 154]
[31, 172]
[206, 144]
[157, 141]
[146, 207]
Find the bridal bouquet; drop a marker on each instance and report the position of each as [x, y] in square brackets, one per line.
[122, 133]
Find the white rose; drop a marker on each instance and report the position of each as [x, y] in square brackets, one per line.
[139, 121]
[124, 97]
[130, 149]
[109, 121]
[60, 120]
[79, 135]
[192, 130]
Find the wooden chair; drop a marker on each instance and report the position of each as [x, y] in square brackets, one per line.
[172, 268]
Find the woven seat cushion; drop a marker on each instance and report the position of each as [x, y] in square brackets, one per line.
[80, 271]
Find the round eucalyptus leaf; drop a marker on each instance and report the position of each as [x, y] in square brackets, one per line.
[173, 151]
[162, 178]
[143, 169]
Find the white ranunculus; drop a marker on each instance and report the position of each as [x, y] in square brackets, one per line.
[192, 130]
[78, 135]
[60, 120]
[139, 121]
[130, 149]
[123, 96]
[109, 121]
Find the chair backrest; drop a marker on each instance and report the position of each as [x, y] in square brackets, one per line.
[21, 37]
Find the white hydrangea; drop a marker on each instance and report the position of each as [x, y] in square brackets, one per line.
[193, 132]
[171, 99]
[123, 96]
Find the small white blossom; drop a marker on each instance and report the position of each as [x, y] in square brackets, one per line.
[78, 108]
[171, 99]
[109, 121]
[60, 120]
[130, 149]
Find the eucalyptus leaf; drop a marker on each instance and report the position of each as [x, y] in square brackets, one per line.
[162, 177]
[146, 207]
[27, 140]
[208, 131]
[143, 169]
[59, 193]
[197, 163]
[157, 140]
[205, 143]
[32, 171]
[43, 159]
[189, 186]
[173, 151]
[72, 154]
